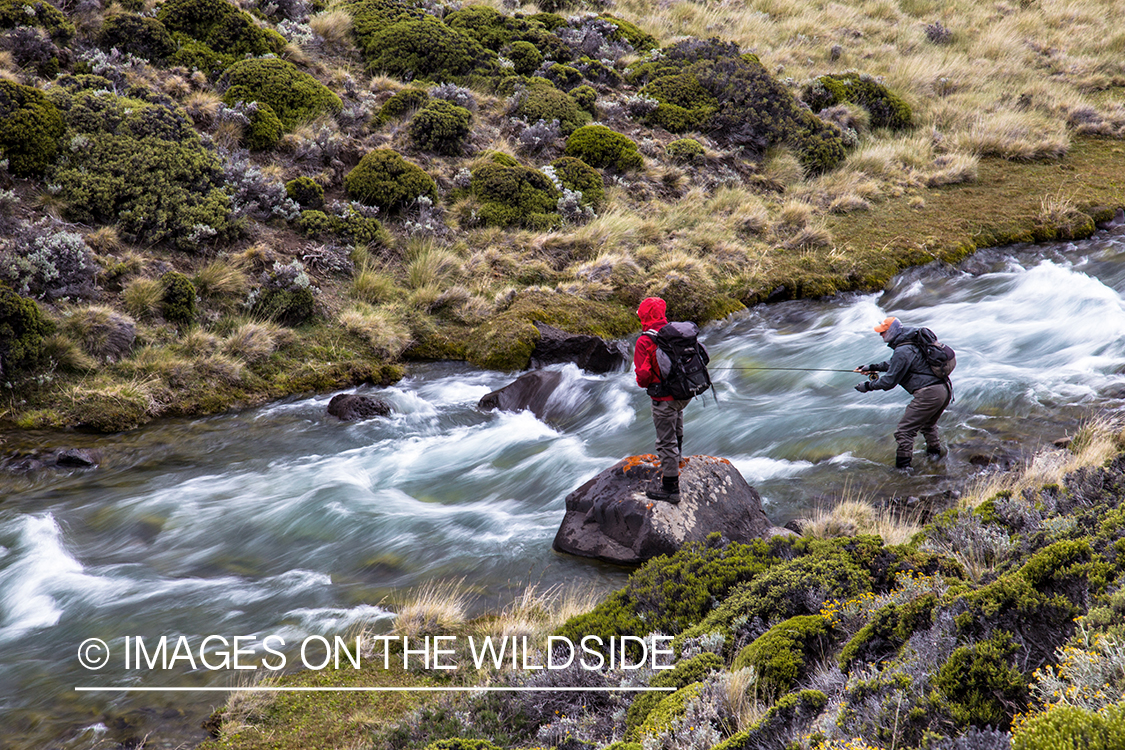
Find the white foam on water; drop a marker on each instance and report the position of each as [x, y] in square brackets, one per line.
[759, 469]
[40, 575]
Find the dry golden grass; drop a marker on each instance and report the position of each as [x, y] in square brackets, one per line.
[740, 693]
[142, 298]
[853, 517]
[381, 328]
[334, 26]
[221, 278]
[252, 342]
[435, 607]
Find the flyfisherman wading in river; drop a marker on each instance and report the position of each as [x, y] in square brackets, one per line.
[919, 376]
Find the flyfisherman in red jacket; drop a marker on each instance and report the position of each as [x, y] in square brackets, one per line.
[667, 412]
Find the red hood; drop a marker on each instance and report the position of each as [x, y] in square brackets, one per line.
[651, 313]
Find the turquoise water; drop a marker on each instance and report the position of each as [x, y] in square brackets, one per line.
[280, 520]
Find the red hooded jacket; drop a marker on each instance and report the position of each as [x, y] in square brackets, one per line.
[652, 315]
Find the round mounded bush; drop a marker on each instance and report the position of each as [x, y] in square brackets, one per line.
[599, 146]
[404, 102]
[525, 57]
[306, 191]
[586, 98]
[685, 149]
[425, 48]
[137, 35]
[36, 13]
[512, 194]
[887, 110]
[23, 326]
[30, 129]
[542, 101]
[265, 128]
[640, 41]
[221, 26]
[384, 179]
[575, 174]
[441, 127]
[684, 103]
[178, 303]
[564, 76]
[292, 94]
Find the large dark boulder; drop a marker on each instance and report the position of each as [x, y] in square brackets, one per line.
[591, 353]
[610, 518]
[351, 406]
[531, 391]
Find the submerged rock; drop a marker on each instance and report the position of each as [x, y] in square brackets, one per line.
[531, 391]
[591, 353]
[351, 406]
[610, 518]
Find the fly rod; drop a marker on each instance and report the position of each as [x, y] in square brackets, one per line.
[792, 369]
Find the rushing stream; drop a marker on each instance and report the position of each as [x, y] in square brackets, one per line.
[281, 520]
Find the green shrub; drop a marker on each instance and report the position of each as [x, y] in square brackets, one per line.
[598, 72]
[684, 103]
[542, 101]
[563, 76]
[425, 49]
[483, 23]
[668, 709]
[286, 295]
[513, 195]
[458, 743]
[30, 129]
[138, 35]
[887, 110]
[89, 111]
[23, 326]
[348, 224]
[195, 55]
[575, 174]
[781, 722]
[781, 654]
[751, 109]
[152, 189]
[265, 128]
[980, 684]
[292, 94]
[840, 568]
[1065, 727]
[640, 41]
[177, 304]
[441, 127]
[599, 146]
[671, 594]
[219, 25]
[586, 98]
[525, 57]
[886, 631]
[684, 150]
[404, 102]
[386, 180]
[306, 192]
[36, 13]
[683, 674]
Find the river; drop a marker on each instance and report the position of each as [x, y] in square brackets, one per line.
[280, 520]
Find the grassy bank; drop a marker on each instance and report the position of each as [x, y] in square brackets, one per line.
[200, 232]
[994, 624]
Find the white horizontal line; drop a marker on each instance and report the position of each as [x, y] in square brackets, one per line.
[371, 689]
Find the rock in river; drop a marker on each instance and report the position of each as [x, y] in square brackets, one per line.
[610, 518]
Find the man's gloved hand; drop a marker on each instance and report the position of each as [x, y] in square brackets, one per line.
[863, 387]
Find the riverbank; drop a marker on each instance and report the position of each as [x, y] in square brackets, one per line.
[239, 362]
[999, 621]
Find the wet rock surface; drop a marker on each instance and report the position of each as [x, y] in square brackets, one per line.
[349, 407]
[531, 391]
[591, 353]
[610, 518]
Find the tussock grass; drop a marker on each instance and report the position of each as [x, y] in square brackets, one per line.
[221, 278]
[381, 328]
[436, 607]
[430, 265]
[538, 612]
[740, 693]
[252, 342]
[375, 287]
[854, 517]
[142, 298]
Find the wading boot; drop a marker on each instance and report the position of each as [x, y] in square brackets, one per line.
[902, 465]
[936, 453]
[669, 491]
